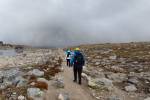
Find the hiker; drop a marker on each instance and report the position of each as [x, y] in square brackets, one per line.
[68, 57]
[79, 62]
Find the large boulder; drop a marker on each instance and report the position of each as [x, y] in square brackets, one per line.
[42, 80]
[100, 83]
[36, 72]
[117, 77]
[20, 81]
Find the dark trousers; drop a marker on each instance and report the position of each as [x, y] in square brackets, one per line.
[68, 62]
[77, 71]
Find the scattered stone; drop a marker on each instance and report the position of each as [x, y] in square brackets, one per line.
[11, 74]
[114, 98]
[97, 63]
[98, 98]
[1, 79]
[59, 83]
[21, 97]
[147, 98]
[113, 57]
[117, 69]
[13, 96]
[5, 84]
[62, 69]
[63, 96]
[35, 93]
[133, 81]
[130, 88]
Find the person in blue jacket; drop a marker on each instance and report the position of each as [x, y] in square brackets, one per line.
[78, 63]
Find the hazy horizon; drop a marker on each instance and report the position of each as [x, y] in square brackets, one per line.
[73, 22]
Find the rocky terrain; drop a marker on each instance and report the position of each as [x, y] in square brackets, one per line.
[26, 76]
[118, 71]
[112, 72]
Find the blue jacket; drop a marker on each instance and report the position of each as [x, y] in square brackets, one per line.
[72, 58]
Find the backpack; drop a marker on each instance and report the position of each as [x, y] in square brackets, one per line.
[79, 59]
[68, 54]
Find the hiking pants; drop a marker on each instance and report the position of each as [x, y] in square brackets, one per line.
[77, 71]
[68, 62]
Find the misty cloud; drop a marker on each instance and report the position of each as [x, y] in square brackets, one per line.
[70, 22]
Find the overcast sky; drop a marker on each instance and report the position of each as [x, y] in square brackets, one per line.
[68, 22]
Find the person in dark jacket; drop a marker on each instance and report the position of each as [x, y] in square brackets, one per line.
[79, 62]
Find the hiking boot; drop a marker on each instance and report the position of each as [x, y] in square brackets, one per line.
[80, 83]
[74, 80]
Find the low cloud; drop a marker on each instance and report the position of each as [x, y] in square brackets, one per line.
[62, 23]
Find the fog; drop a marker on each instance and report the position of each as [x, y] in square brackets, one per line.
[73, 22]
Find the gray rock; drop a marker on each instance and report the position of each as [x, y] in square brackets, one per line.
[133, 81]
[117, 77]
[11, 74]
[1, 74]
[13, 96]
[2, 79]
[36, 72]
[85, 76]
[113, 57]
[21, 97]
[132, 74]
[97, 63]
[20, 81]
[105, 81]
[63, 96]
[5, 84]
[114, 98]
[130, 88]
[42, 80]
[35, 93]
[59, 83]
[96, 74]
[101, 83]
[147, 98]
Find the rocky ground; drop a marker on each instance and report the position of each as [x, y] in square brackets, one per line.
[118, 71]
[26, 75]
[112, 72]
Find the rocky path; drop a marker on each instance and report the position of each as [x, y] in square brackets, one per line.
[73, 90]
